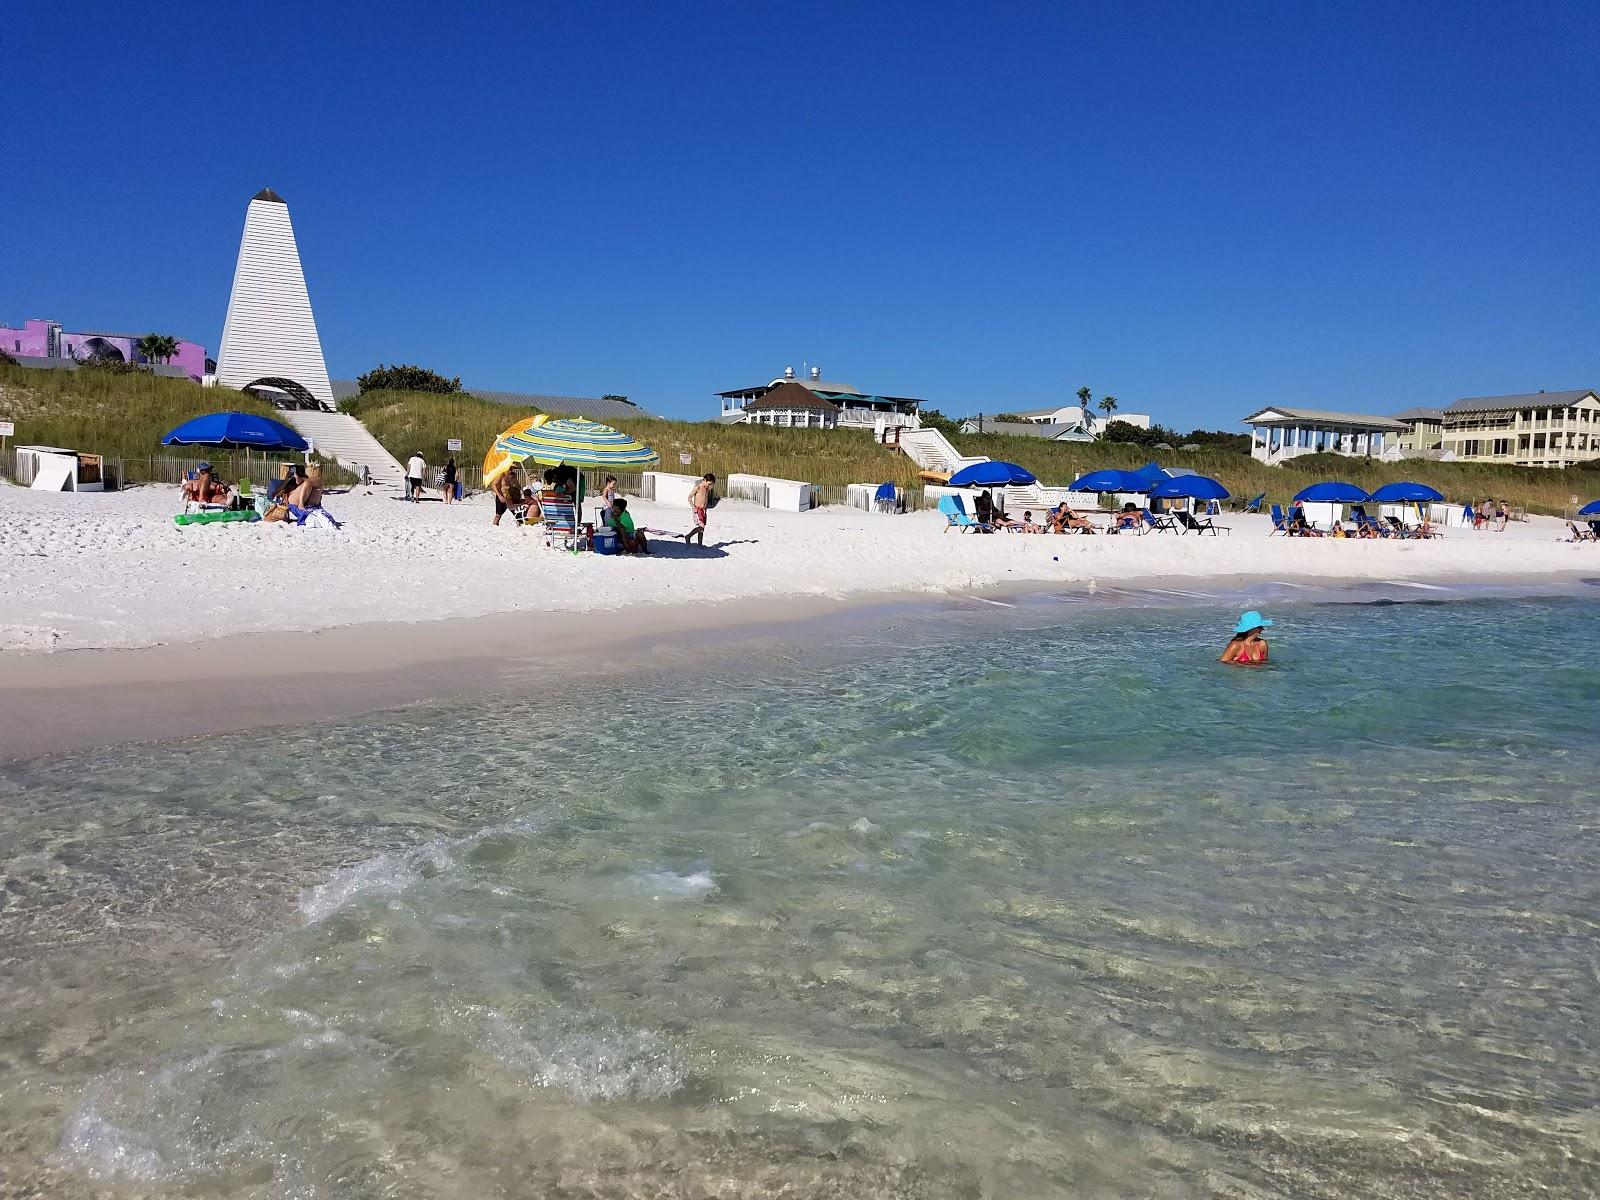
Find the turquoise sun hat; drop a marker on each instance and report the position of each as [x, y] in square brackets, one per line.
[1251, 620]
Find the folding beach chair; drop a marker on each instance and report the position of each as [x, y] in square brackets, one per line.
[1253, 505]
[957, 517]
[1160, 524]
[1579, 535]
[1280, 523]
[560, 513]
[1191, 524]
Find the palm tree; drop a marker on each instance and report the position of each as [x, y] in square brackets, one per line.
[157, 347]
[1108, 406]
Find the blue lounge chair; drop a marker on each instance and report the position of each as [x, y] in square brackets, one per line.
[957, 517]
[1254, 505]
[1280, 523]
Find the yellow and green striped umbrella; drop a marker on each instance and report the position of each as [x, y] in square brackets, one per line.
[573, 441]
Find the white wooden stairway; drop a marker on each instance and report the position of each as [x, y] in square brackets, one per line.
[340, 436]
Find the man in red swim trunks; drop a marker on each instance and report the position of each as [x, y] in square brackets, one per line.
[699, 502]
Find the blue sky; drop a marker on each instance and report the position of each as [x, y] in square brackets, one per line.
[1357, 206]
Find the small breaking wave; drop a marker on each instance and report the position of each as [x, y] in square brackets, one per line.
[586, 1059]
[396, 871]
[671, 885]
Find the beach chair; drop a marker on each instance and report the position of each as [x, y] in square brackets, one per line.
[957, 517]
[560, 514]
[1253, 505]
[1160, 524]
[1358, 514]
[1280, 523]
[1594, 529]
[1189, 523]
[1578, 535]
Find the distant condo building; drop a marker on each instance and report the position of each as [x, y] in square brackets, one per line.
[1544, 429]
[269, 340]
[1424, 432]
[813, 403]
[37, 343]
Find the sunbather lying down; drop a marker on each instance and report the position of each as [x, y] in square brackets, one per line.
[1131, 516]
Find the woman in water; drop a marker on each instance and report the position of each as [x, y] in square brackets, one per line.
[1247, 648]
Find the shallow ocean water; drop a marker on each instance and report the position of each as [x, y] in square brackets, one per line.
[1023, 902]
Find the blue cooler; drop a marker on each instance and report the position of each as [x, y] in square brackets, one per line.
[605, 541]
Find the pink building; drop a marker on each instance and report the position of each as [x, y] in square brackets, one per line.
[45, 343]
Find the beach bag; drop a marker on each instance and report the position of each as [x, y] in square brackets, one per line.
[276, 512]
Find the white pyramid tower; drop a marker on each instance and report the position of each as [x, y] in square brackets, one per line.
[270, 336]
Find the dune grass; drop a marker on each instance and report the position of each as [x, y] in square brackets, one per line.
[124, 416]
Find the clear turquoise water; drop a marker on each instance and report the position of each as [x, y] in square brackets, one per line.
[1018, 902]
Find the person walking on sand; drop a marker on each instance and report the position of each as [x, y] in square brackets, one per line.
[450, 480]
[1247, 648]
[416, 472]
[699, 503]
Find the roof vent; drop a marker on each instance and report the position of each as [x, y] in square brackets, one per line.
[816, 374]
[788, 372]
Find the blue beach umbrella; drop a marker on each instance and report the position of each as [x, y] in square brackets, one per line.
[1591, 509]
[1331, 492]
[1151, 473]
[1406, 492]
[1191, 487]
[992, 473]
[235, 430]
[1109, 480]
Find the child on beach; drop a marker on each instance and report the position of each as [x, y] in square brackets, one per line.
[608, 493]
[699, 504]
[1247, 648]
[632, 539]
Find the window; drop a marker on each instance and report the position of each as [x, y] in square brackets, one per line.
[1470, 447]
[1502, 446]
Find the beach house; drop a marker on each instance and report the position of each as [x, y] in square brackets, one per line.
[1541, 429]
[814, 403]
[1282, 432]
[39, 343]
[1424, 431]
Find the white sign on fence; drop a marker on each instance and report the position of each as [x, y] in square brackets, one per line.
[685, 459]
[7, 429]
[453, 445]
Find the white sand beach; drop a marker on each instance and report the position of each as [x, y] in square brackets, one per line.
[100, 571]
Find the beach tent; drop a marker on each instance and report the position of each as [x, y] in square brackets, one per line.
[565, 441]
[1331, 492]
[1109, 480]
[992, 473]
[1591, 509]
[1406, 492]
[235, 430]
[1189, 486]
